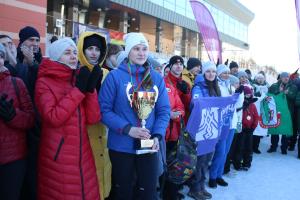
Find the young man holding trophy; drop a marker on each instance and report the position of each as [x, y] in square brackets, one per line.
[136, 109]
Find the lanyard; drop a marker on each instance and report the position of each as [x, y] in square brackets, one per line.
[136, 78]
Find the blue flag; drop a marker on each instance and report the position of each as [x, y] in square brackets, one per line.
[210, 121]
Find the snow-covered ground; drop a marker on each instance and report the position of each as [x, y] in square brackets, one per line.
[272, 177]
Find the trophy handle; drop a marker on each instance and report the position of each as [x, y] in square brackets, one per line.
[129, 96]
[156, 92]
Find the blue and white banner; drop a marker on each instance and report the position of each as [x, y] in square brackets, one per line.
[210, 121]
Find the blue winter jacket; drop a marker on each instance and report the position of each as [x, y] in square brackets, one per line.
[200, 88]
[117, 112]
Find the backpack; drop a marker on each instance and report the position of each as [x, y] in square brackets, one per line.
[181, 162]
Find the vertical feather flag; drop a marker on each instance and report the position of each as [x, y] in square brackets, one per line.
[297, 5]
[208, 30]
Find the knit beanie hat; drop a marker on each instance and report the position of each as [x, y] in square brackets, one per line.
[132, 39]
[222, 68]
[242, 73]
[193, 62]
[2, 51]
[248, 71]
[257, 76]
[175, 59]
[92, 40]
[208, 65]
[247, 90]
[233, 65]
[28, 32]
[284, 74]
[58, 47]
[233, 80]
[153, 62]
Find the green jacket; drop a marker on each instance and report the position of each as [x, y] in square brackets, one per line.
[291, 94]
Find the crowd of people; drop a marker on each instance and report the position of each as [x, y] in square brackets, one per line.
[69, 129]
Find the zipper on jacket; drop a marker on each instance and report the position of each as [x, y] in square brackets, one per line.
[80, 154]
[62, 140]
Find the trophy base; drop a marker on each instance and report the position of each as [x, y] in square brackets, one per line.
[145, 146]
[144, 151]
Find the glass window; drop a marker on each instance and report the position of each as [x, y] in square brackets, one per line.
[180, 10]
[181, 3]
[169, 5]
[189, 11]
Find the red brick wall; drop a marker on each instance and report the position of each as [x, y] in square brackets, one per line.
[16, 14]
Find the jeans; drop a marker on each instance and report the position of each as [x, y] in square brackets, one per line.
[198, 180]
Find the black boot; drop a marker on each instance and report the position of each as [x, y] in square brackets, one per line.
[283, 151]
[257, 151]
[291, 148]
[271, 150]
[221, 182]
[212, 183]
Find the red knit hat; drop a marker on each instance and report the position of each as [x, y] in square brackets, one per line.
[247, 90]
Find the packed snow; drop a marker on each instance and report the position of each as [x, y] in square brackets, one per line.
[272, 176]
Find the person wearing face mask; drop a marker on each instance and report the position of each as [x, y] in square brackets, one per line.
[91, 53]
[67, 102]
[134, 176]
[206, 85]
[16, 118]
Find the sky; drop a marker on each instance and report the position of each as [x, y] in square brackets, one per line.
[273, 33]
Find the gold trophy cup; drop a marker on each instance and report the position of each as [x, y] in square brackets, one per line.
[143, 103]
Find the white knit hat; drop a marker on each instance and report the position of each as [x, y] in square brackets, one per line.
[58, 47]
[242, 74]
[208, 65]
[259, 76]
[222, 68]
[132, 39]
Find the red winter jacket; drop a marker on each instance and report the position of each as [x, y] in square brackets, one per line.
[250, 117]
[66, 167]
[185, 98]
[176, 105]
[13, 133]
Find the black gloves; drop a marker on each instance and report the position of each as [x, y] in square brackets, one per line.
[7, 110]
[183, 87]
[257, 94]
[95, 76]
[82, 79]
[240, 89]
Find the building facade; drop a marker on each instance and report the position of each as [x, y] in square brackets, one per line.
[16, 14]
[169, 25]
